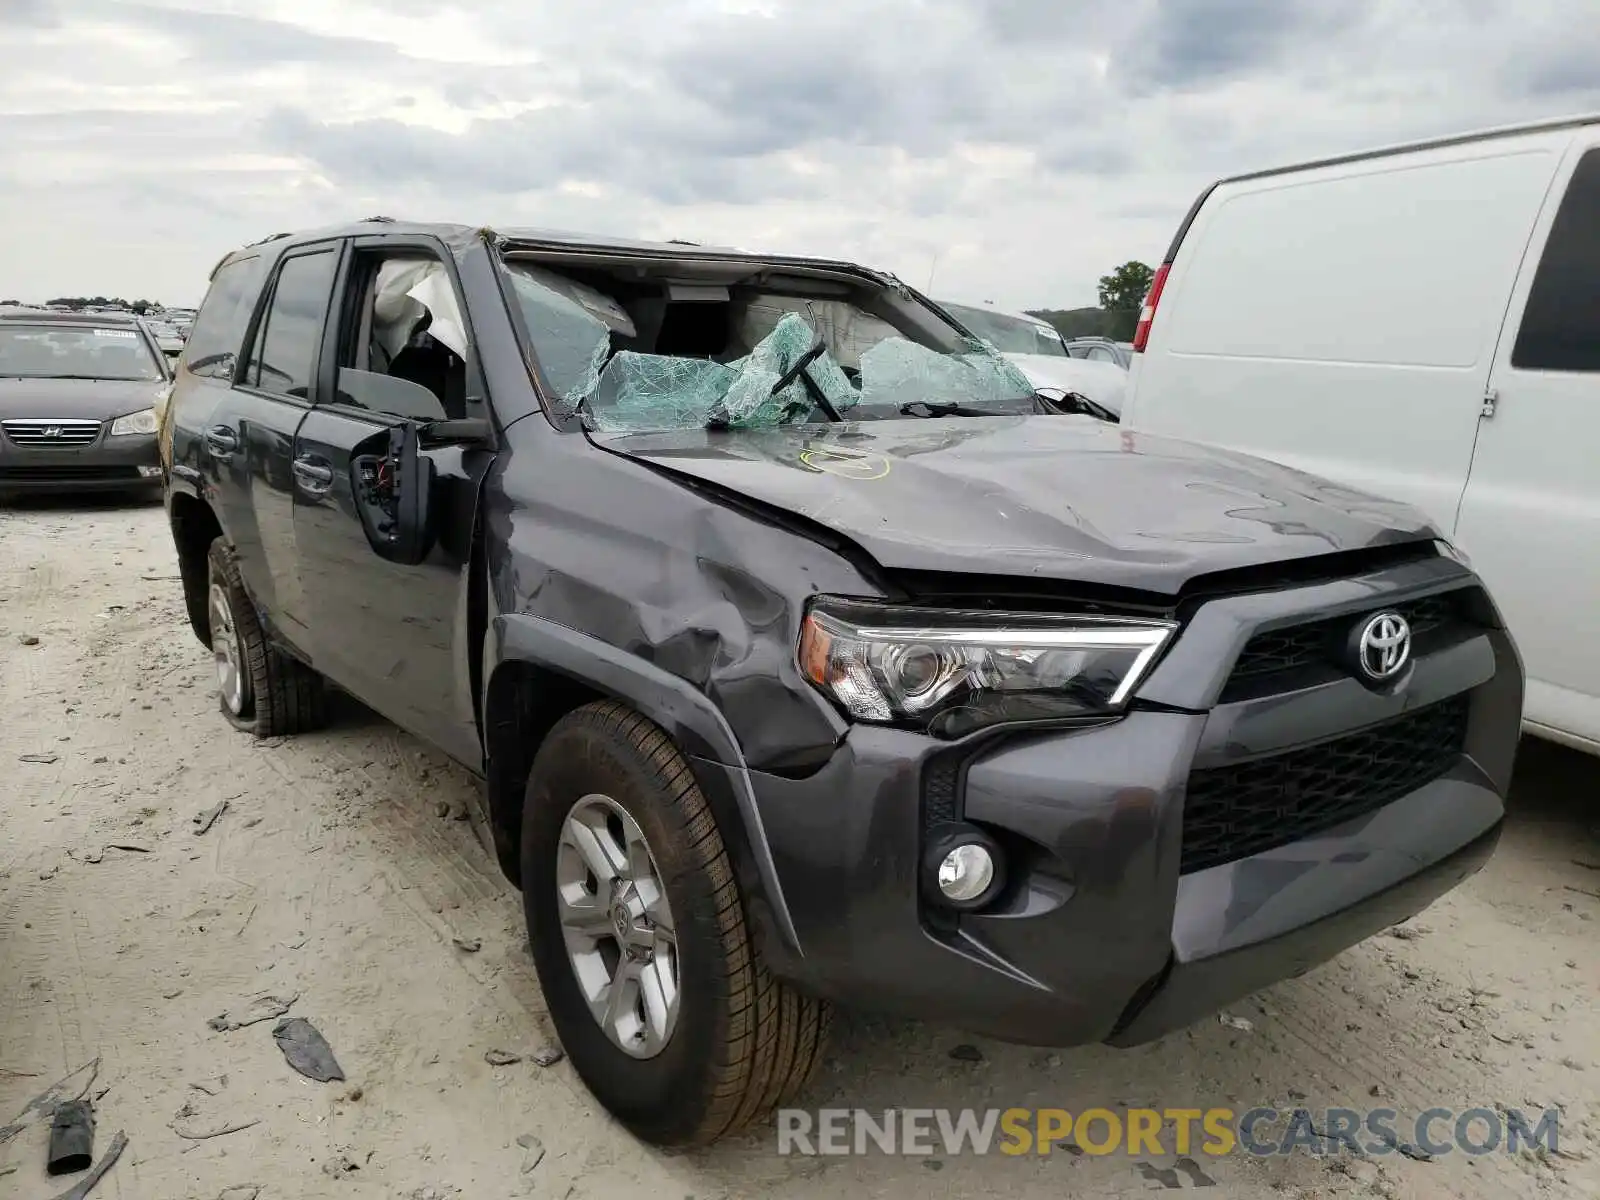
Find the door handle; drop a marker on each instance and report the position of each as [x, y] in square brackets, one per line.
[314, 475]
[221, 441]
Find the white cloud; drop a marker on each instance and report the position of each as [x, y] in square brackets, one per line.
[1020, 147]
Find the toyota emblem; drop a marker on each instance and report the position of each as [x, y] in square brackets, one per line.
[1384, 647]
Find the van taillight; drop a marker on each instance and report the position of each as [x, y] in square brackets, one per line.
[1147, 314]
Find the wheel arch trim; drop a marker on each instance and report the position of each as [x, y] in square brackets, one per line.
[687, 716]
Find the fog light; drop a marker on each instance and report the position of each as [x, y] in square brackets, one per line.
[963, 867]
[966, 873]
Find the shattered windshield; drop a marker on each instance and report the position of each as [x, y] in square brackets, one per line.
[697, 356]
[1007, 334]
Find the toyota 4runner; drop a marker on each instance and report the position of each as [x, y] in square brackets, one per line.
[810, 655]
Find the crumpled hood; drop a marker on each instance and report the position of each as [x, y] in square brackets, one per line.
[1057, 497]
[82, 399]
[1104, 383]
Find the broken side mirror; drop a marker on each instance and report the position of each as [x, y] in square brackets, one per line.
[394, 496]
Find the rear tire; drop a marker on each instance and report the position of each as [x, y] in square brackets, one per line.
[740, 1041]
[260, 688]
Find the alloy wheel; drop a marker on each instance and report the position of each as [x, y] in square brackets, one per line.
[617, 925]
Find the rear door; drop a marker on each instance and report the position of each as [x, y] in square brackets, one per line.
[249, 436]
[394, 635]
[1530, 516]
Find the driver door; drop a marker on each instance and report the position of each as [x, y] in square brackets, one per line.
[392, 634]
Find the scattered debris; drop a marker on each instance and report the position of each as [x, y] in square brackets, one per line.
[548, 1056]
[501, 1058]
[339, 1166]
[1572, 1064]
[98, 855]
[1167, 1177]
[42, 759]
[204, 820]
[470, 945]
[241, 1191]
[262, 1008]
[931, 1164]
[44, 1104]
[211, 1087]
[49, 874]
[27, 639]
[1405, 933]
[1587, 866]
[71, 1138]
[84, 1186]
[181, 1125]
[306, 1050]
[441, 809]
[535, 1153]
[1232, 1022]
[10, 1074]
[1567, 886]
[966, 1053]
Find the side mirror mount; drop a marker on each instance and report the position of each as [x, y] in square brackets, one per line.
[394, 494]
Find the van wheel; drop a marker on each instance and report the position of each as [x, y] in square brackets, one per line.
[639, 937]
[259, 687]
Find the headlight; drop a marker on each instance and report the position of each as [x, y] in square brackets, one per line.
[953, 672]
[139, 422]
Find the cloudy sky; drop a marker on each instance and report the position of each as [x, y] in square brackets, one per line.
[1013, 150]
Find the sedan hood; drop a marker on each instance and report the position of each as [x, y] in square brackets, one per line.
[1103, 382]
[1056, 497]
[83, 399]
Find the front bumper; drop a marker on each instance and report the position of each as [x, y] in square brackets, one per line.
[125, 463]
[1101, 935]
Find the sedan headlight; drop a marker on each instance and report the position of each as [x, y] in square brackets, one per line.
[139, 422]
[953, 672]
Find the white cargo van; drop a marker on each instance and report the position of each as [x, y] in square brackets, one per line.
[1422, 322]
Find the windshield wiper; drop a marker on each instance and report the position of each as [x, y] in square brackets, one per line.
[924, 408]
[799, 371]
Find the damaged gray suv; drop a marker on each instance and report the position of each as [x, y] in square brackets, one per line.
[809, 655]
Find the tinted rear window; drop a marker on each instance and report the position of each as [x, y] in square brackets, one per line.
[1561, 324]
[286, 346]
[213, 344]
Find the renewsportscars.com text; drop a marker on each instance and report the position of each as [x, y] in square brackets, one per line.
[1215, 1132]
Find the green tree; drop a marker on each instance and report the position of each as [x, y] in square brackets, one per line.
[1121, 294]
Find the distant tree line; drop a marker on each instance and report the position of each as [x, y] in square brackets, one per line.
[1121, 294]
[76, 302]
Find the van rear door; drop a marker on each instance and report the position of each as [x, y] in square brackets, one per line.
[1342, 318]
[1530, 517]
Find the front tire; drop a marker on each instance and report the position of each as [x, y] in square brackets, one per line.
[639, 937]
[260, 689]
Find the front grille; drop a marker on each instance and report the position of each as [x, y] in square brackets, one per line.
[47, 434]
[67, 473]
[1321, 643]
[1246, 808]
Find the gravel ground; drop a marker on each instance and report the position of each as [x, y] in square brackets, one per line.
[348, 873]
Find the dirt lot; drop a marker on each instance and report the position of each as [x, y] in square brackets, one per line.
[347, 872]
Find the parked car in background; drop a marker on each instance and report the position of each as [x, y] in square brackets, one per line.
[1421, 322]
[167, 336]
[77, 397]
[1040, 353]
[1099, 349]
[810, 655]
